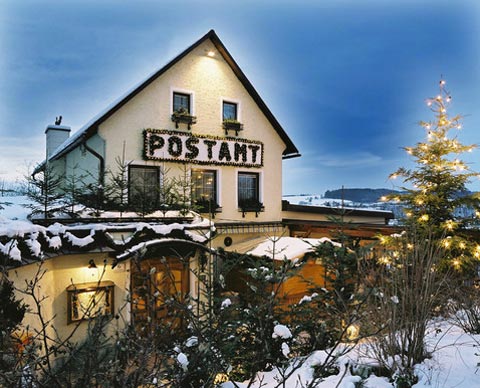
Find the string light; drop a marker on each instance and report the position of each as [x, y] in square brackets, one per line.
[449, 224]
[456, 263]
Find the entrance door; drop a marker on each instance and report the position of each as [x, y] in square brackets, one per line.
[159, 288]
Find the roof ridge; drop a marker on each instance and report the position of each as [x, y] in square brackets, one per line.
[90, 127]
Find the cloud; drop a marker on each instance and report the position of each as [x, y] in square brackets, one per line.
[350, 160]
[18, 155]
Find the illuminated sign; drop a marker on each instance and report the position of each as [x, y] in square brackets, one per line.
[182, 147]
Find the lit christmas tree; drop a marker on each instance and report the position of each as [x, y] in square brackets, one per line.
[438, 184]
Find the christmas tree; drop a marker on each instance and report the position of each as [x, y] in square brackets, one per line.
[438, 184]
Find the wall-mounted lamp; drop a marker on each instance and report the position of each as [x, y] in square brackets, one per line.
[211, 53]
[91, 264]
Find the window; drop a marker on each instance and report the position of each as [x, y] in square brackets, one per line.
[181, 102]
[248, 189]
[144, 187]
[204, 187]
[89, 300]
[229, 111]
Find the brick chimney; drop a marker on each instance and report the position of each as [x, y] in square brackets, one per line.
[56, 134]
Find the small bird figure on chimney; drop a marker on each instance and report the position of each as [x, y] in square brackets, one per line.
[58, 120]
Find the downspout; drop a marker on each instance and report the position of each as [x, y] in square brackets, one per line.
[101, 160]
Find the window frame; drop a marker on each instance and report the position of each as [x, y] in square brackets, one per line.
[215, 183]
[257, 185]
[145, 167]
[74, 300]
[191, 93]
[182, 94]
[232, 103]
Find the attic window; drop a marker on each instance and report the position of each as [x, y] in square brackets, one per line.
[181, 102]
[229, 111]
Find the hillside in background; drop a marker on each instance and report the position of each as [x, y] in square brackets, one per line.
[359, 195]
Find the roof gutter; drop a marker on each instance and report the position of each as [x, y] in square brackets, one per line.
[101, 160]
[291, 156]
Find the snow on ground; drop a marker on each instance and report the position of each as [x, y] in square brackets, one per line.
[17, 210]
[454, 364]
[318, 200]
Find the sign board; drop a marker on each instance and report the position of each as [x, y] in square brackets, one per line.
[184, 147]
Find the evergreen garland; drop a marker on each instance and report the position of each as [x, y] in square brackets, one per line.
[152, 142]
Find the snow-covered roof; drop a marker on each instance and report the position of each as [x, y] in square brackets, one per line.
[289, 248]
[22, 242]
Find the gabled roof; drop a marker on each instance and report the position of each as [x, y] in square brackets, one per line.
[91, 127]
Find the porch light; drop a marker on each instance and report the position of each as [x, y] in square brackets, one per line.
[211, 53]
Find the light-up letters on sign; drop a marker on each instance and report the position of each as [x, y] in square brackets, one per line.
[184, 147]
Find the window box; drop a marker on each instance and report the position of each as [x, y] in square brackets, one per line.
[232, 125]
[251, 205]
[183, 116]
[89, 300]
[207, 206]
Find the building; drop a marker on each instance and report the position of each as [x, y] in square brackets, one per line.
[196, 125]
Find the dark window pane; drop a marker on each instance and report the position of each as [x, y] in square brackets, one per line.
[181, 101]
[247, 187]
[144, 185]
[229, 111]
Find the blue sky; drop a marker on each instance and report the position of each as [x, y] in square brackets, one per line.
[346, 79]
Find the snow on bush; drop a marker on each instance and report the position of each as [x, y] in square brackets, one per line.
[192, 341]
[281, 331]
[285, 349]
[182, 360]
[308, 298]
[226, 303]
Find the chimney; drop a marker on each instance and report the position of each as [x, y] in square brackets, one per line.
[55, 135]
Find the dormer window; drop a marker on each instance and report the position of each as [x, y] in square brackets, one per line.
[182, 109]
[230, 117]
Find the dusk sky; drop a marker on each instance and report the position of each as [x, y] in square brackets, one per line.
[346, 79]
